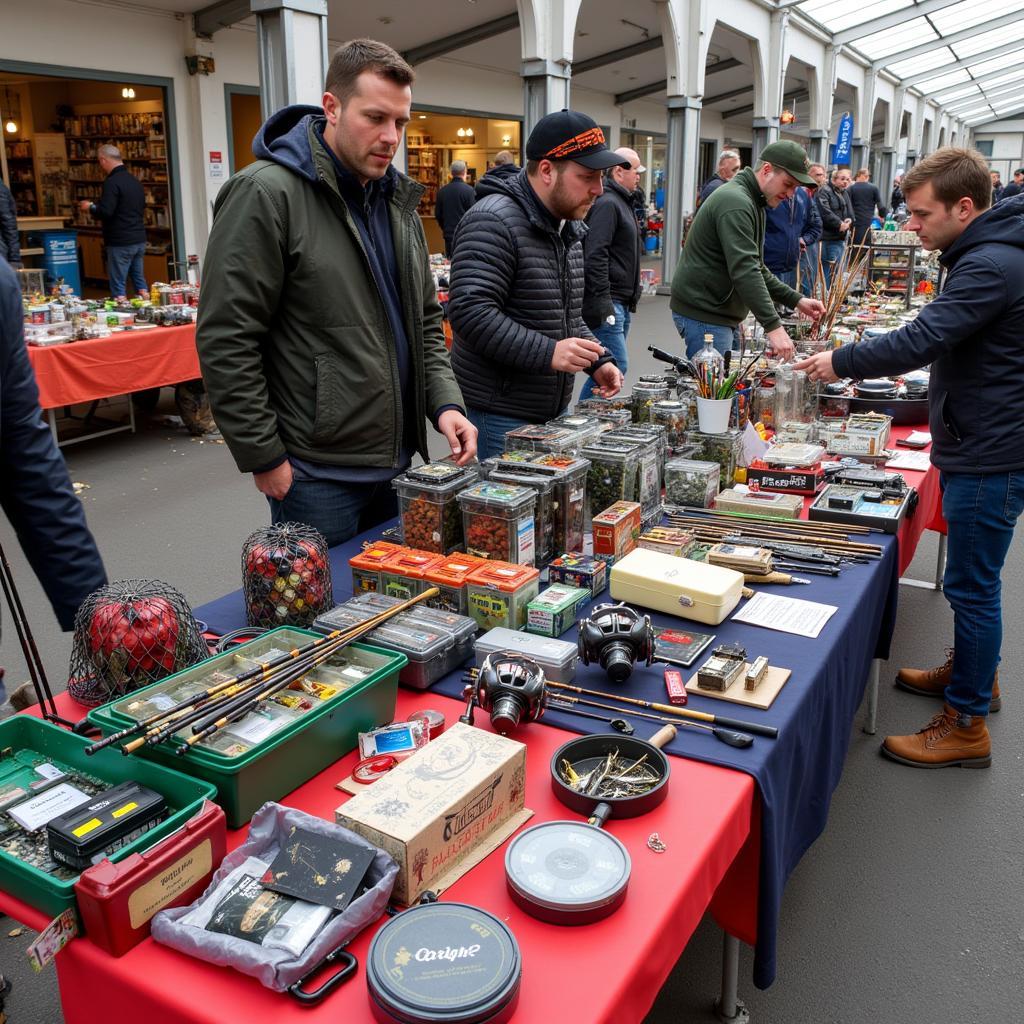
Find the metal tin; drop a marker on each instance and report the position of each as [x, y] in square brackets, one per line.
[443, 962]
[433, 720]
[557, 657]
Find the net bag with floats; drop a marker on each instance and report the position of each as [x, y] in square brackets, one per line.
[286, 575]
[129, 634]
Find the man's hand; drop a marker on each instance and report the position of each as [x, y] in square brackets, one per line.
[460, 434]
[810, 308]
[607, 380]
[845, 226]
[781, 343]
[803, 246]
[276, 482]
[818, 367]
[575, 354]
[84, 205]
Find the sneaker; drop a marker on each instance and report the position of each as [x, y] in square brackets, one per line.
[932, 682]
[949, 739]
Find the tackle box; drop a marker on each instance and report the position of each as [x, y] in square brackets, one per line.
[542, 437]
[554, 612]
[401, 573]
[558, 658]
[576, 570]
[367, 564]
[498, 521]
[499, 592]
[764, 503]
[254, 767]
[616, 530]
[450, 578]
[676, 586]
[26, 741]
[427, 650]
[428, 513]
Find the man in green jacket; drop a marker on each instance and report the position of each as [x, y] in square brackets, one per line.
[721, 274]
[319, 332]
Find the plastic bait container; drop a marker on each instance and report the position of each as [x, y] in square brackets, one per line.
[613, 473]
[541, 437]
[587, 428]
[726, 449]
[652, 461]
[556, 610]
[691, 482]
[426, 648]
[674, 415]
[367, 564]
[462, 628]
[427, 510]
[498, 521]
[544, 511]
[645, 394]
[570, 476]
[449, 576]
[499, 592]
[401, 575]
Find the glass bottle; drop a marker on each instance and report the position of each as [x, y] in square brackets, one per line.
[710, 367]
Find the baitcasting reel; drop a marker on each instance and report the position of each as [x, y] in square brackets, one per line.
[510, 687]
[614, 637]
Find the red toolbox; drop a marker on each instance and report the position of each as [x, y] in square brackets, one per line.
[117, 901]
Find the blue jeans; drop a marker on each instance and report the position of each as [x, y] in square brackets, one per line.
[338, 510]
[613, 337]
[492, 430]
[124, 261]
[786, 277]
[692, 332]
[981, 512]
[809, 268]
[831, 253]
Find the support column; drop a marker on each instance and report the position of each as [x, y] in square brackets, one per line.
[292, 45]
[768, 99]
[766, 131]
[681, 177]
[859, 151]
[828, 92]
[887, 172]
[817, 146]
[545, 90]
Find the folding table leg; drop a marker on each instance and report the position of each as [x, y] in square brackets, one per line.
[872, 715]
[940, 562]
[729, 1007]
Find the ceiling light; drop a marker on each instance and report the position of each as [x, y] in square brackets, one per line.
[11, 126]
[128, 93]
[461, 133]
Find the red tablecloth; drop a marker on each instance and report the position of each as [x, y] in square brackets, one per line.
[928, 514]
[607, 972]
[103, 367]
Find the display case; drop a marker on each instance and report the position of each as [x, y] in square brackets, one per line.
[891, 269]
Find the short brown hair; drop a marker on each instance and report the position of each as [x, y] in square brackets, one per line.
[955, 174]
[863, 173]
[351, 59]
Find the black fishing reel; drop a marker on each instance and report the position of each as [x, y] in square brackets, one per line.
[512, 688]
[614, 637]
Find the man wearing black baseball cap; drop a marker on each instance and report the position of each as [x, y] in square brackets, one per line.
[516, 295]
[721, 274]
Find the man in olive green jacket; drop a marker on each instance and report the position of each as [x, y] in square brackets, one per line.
[319, 329]
[721, 274]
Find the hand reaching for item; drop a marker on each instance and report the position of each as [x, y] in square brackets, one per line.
[575, 354]
[460, 434]
[818, 367]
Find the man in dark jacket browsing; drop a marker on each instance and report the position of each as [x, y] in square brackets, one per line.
[836, 220]
[611, 262]
[505, 166]
[791, 228]
[721, 274]
[971, 335]
[452, 203]
[865, 200]
[320, 332]
[517, 284]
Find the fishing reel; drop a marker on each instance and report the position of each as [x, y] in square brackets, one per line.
[614, 637]
[511, 687]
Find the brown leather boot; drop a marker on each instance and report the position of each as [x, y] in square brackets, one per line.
[932, 682]
[949, 739]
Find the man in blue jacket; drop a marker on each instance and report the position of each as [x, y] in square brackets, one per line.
[790, 229]
[37, 496]
[971, 336]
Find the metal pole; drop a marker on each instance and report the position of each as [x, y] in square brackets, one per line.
[729, 1008]
[940, 562]
[870, 722]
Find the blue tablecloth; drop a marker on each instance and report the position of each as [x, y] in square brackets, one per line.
[797, 772]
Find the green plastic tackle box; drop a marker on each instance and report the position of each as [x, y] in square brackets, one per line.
[273, 767]
[24, 737]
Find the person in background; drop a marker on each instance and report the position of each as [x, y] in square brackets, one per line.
[505, 166]
[728, 164]
[997, 187]
[611, 262]
[1015, 187]
[865, 200]
[721, 275]
[453, 200]
[810, 256]
[37, 497]
[319, 332]
[896, 200]
[120, 209]
[836, 219]
[10, 244]
[791, 228]
[970, 336]
[516, 295]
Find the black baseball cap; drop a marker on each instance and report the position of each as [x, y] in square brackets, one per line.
[570, 135]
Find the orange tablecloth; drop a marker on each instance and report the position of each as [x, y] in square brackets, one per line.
[103, 367]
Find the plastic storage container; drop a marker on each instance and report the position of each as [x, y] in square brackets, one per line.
[426, 648]
[691, 482]
[499, 592]
[555, 611]
[449, 576]
[463, 629]
[498, 521]
[570, 476]
[541, 437]
[544, 512]
[401, 575]
[645, 394]
[558, 658]
[367, 564]
[269, 768]
[674, 415]
[585, 427]
[427, 510]
[726, 449]
[651, 472]
[23, 738]
[612, 476]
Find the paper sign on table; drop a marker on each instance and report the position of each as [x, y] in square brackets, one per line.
[918, 461]
[786, 614]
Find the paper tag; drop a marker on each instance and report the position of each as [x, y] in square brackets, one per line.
[49, 771]
[52, 939]
[525, 542]
[35, 813]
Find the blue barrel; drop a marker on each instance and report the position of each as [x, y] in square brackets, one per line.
[651, 243]
[60, 257]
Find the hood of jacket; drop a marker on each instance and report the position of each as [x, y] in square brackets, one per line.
[284, 139]
[1003, 224]
[517, 188]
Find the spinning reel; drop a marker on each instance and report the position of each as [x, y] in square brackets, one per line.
[511, 687]
[614, 637]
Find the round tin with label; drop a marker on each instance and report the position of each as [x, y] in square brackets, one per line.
[443, 962]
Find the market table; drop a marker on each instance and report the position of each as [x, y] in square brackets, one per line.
[605, 973]
[126, 361]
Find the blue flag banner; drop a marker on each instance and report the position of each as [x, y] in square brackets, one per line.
[843, 139]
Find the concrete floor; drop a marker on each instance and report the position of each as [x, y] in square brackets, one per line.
[909, 908]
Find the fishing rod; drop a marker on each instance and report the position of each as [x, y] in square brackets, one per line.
[808, 525]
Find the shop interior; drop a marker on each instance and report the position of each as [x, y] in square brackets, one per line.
[52, 127]
[434, 140]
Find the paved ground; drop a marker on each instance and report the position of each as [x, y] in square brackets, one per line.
[909, 908]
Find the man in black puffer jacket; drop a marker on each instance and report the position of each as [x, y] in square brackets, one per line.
[517, 284]
[971, 336]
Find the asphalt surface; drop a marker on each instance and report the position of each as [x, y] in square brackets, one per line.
[909, 908]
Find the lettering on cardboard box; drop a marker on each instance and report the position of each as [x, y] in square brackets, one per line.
[454, 823]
